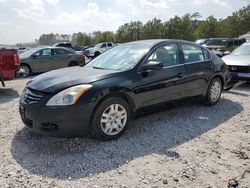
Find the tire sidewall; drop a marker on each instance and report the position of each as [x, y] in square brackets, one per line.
[24, 65]
[96, 129]
[208, 98]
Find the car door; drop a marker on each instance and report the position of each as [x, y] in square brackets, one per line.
[61, 58]
[41, 61]
[110, 45]
[103, 47]
[199, 68]
[163, 85]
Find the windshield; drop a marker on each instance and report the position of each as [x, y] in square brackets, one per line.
[220, 42]
[28, 53]
[98, 45]
[242, 50]
[121, 57]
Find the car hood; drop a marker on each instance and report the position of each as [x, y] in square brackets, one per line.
[61, 79]
[23, 59]
[241, 60]
[91, 49]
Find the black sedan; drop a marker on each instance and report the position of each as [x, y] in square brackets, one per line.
[103, 96]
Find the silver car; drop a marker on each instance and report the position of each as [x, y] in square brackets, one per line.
[38, 60]
[239, 63]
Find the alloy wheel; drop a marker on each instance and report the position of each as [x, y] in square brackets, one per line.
[215, 91]
[113, 119]
[26, 70]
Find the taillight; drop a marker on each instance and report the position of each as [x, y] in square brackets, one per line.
[16, 59]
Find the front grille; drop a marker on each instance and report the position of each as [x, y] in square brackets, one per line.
[240, 69]
[31, 96]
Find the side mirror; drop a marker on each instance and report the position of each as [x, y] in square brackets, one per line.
[152, 65]
[34, 56]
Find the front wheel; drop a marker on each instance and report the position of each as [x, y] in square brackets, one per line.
[111, 119]
[214, 92]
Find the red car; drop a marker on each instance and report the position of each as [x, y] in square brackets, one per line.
[9, 64]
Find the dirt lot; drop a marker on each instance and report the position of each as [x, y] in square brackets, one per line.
[189, 145]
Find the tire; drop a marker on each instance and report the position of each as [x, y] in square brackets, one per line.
[96, 54]
[214, 92]
[73, 63]
[26, 69]
[106, 125]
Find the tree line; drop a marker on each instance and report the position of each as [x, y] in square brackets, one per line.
[188, 27]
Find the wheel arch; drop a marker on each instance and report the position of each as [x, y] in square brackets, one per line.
[221, 79]
[27, 66]
[117, 94]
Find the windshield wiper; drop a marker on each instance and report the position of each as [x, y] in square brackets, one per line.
[99, 68]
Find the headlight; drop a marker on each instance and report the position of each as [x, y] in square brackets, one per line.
[68, 96]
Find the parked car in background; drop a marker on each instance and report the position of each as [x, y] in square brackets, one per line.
[239, 63]
[45, 59]
[9, 64]
[63, 44]
[77, 49]
[98, 49]
[201, 41]
[103, 96]
[22, 49]
[223, 46]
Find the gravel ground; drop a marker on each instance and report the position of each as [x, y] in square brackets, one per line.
[189, 145]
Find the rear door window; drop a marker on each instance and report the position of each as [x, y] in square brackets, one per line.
[58, 52]
[110, 45]
[192, 53]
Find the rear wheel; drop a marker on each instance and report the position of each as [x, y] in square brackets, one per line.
[111, 119]
[26, 70]
[214, 92]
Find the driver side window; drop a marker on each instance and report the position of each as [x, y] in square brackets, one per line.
[167, 54]
[43, 53]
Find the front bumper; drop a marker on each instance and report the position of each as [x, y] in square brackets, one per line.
[90, 54]
[236, 76]
[66, 121]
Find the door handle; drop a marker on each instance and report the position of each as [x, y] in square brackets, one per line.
[180, 75]
[210, 66]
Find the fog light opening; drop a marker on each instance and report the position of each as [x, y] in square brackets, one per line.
[49, 126]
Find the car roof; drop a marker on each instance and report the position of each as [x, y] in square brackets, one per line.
[49, 47]
[153, 42]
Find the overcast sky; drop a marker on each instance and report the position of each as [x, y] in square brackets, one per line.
[26, 20]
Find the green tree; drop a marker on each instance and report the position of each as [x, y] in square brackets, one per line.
[208, 28]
